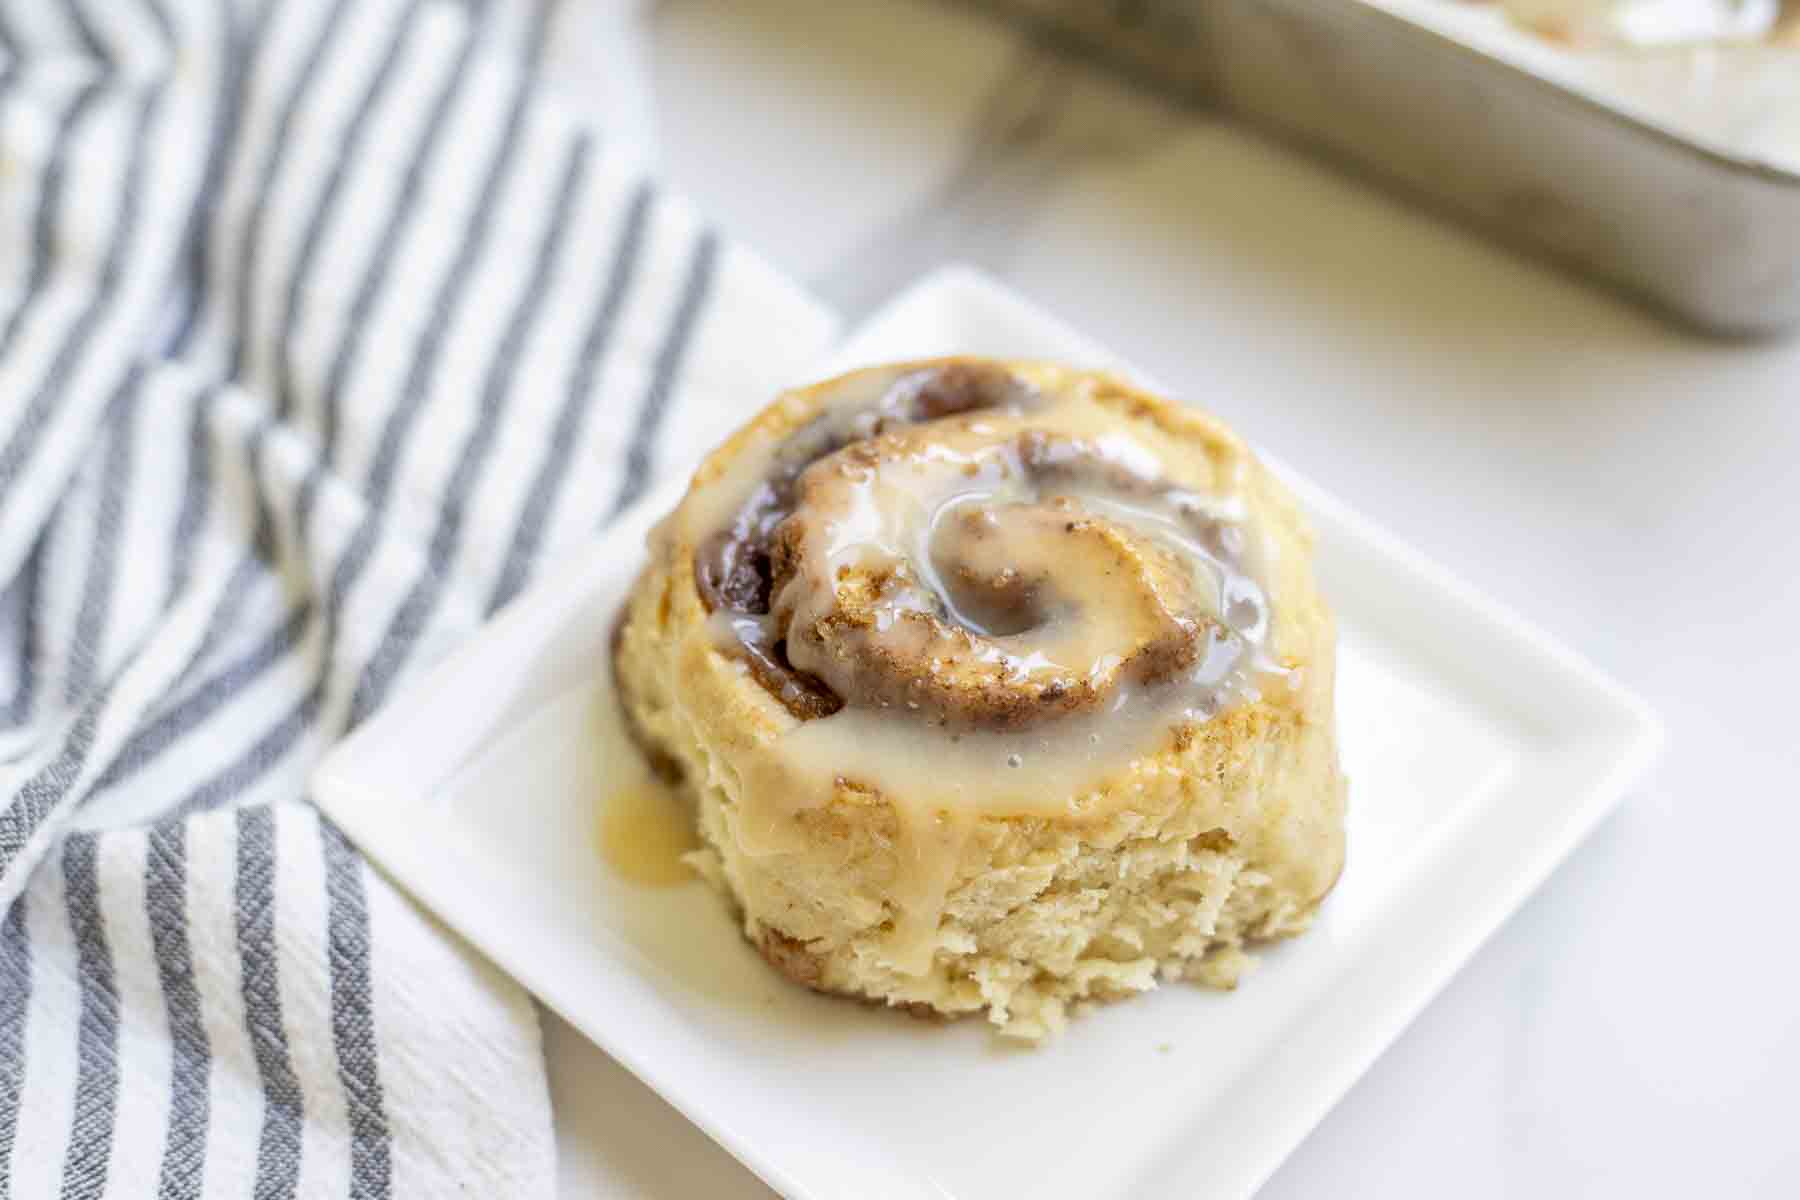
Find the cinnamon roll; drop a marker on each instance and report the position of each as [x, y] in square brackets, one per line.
[1000, 686]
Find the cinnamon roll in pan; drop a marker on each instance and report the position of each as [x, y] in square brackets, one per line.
[1000, 687]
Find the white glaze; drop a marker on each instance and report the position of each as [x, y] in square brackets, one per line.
[1141, 557]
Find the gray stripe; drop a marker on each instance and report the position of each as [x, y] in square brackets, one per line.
[250, 243]
[255, 762]
[15, 1006]
[669, 360]
[172, 724]
[164, 25]
[578, 400]
[28, 584]
[278, 1151]
[249, 569]
[353, 1015]
[349, 151]
[88, 647]
[50, 786]
[196, 497]
[421, 601]
[49, 207]
[375, 277]
[84, 31]
[108, 49]
[97, 1040]
[47, 399]
[478, 14]
[238, 60]
[190, 1105]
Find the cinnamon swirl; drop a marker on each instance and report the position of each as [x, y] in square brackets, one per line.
[1000, 686]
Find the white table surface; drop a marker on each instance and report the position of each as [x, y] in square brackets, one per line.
[1635, 1030]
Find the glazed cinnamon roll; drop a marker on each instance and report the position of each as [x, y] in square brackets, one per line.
[1000, 686]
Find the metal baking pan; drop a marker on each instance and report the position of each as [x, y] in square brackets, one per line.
[1709, 236]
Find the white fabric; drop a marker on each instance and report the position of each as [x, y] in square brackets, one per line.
[320, 329]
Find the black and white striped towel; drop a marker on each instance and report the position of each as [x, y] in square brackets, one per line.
[319, 329]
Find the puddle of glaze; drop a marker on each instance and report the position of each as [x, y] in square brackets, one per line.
[645, 829]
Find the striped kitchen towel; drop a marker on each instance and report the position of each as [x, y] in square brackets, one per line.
[321, 327]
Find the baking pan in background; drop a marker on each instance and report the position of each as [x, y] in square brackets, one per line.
[1704, 232]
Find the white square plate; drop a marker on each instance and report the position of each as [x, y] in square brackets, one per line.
[1479, 753]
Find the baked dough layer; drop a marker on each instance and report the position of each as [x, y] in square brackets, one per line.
[1203, 837]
